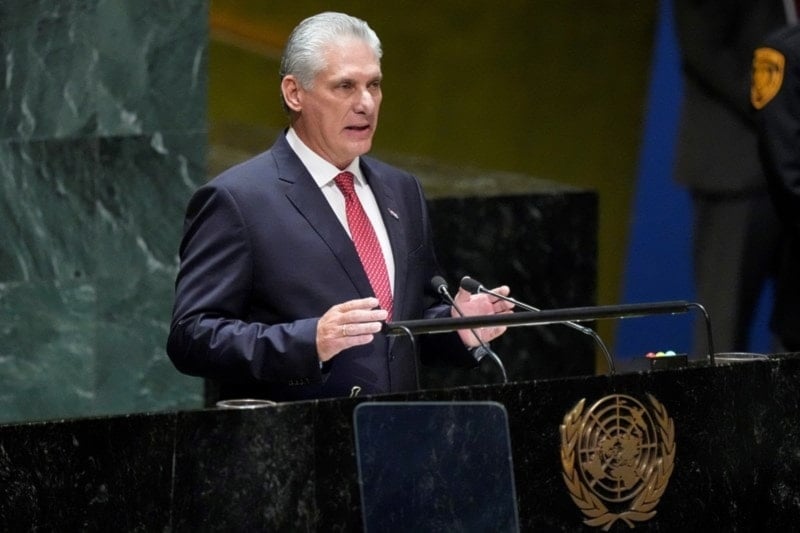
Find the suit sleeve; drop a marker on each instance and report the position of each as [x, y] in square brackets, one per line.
[212, 334]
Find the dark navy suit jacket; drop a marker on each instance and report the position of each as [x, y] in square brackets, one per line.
[263, 256]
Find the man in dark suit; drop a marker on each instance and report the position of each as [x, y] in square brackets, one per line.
[276, 296]
[775, 96]
[736, 235]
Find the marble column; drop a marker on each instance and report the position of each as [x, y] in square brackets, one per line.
[102, 139]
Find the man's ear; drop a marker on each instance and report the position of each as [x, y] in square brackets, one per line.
[290, 88]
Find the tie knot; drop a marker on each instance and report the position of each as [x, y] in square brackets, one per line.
[345, 183]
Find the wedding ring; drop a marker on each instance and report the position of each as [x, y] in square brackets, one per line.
[344, 330]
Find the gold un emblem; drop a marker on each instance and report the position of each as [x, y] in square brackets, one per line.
[617, 458]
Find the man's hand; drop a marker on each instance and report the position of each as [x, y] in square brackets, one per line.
[482, 304]
[348, 324]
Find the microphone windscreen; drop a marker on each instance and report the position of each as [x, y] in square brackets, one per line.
[470, 285]
[437, 282]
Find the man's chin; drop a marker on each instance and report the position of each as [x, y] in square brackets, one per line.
[358, 148]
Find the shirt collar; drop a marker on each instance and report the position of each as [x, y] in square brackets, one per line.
[321, 170]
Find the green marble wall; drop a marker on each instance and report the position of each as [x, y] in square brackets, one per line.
[102, 138]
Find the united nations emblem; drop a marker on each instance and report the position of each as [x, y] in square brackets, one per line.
[617, 458]
[767, 77]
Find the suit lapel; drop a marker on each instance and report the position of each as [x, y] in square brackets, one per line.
[385, 196]
[303, 193]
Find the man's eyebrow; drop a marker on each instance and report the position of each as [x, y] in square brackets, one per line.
[354, 80]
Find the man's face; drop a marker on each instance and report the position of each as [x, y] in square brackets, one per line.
[338, 115]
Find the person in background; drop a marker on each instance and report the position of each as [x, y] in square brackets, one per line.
[775, 96]
[291, 262]
[736, 236]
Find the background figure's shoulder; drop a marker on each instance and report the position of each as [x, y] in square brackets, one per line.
[786, 39]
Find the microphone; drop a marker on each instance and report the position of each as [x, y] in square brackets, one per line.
[474, 287]
[439, 284]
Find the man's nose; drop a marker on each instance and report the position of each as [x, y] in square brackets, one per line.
[365, 101]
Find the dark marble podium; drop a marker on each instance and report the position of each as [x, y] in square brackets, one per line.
[292, 467]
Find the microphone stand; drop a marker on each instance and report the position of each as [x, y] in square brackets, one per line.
[553, 316]
[440, 285]
[475, 287]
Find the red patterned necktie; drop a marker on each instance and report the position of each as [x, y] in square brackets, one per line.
[366, 242]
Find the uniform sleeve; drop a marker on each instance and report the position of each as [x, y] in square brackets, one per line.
[778, 122]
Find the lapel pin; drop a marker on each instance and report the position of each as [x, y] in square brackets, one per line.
[391, 212]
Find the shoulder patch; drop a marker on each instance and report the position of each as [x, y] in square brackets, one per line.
[767, 78]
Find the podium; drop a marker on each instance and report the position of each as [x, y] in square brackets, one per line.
[731, 460]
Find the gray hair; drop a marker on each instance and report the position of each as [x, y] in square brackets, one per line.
[304, 56]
